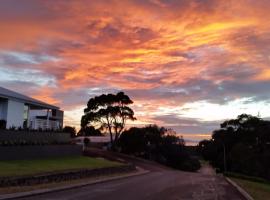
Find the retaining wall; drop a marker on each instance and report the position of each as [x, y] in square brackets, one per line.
[64, 176]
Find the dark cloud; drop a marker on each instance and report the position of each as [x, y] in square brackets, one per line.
[188, 125]
[233, 71]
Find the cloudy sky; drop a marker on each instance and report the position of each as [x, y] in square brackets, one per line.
[187, 64]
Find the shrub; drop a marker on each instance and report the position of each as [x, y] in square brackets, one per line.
[70, 130]
[89, 131]
[191, 164]
[3, 124]
[150, 143]
[133, 141]
[86, 141]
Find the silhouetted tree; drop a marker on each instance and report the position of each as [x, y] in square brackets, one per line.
[154, 143]
[110, 112]
[246, 141]
[133, 141]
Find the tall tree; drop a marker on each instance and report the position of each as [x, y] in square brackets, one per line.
[241, 145]
[108, 112]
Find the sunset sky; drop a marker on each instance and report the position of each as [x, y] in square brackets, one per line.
[187, 64]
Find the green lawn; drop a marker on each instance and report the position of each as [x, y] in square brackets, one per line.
[30, 167]
[259, 191]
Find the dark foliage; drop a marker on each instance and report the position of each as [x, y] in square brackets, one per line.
[110, 112]
[153, 143]
[86, 141]
[89, 131]
[70, 130]
[3, 124]
[133, 141]
[245, 142]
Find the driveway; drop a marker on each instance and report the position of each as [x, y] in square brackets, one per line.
[160, 184]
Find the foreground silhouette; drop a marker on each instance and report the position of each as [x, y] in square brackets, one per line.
[109, 112]
[241, 145]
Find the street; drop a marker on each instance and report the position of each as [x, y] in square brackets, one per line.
[159, 184]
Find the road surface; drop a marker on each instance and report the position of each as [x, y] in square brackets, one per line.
[159, 184]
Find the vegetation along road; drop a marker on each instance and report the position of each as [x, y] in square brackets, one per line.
[161, 183]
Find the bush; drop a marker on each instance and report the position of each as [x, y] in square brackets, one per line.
[151, 143]
[191, 164]
[86, 141]
[177, 157]
[133, 141]
[70, 130]
[3, 124]
[89, 131]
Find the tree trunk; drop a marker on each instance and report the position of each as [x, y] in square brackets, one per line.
[110, 131]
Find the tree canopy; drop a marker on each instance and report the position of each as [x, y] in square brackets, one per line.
[159, 144]
[246, 142]
[108, 112]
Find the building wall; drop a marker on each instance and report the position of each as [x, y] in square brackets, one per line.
[38, 123]
[15, 114]
[59, 115]
[3, 109]
[34, 113]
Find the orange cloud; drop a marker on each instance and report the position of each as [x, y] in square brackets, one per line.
[163, 53]
[46, 95]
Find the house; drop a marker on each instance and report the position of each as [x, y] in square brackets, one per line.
[20, 111]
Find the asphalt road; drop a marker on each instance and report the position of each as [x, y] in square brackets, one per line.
[159, 184]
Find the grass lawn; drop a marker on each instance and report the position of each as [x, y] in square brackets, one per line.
[31, 167]
[259, 191]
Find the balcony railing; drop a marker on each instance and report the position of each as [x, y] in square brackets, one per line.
[44, 124]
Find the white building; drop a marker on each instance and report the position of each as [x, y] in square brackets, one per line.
[20, 111]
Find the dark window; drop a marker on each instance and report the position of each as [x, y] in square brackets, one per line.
[54, 112]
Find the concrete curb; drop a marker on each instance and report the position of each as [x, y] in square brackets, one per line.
[241, 190]
[72, 186]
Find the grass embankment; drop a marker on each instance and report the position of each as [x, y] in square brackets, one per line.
[33, 167]
[258, 188]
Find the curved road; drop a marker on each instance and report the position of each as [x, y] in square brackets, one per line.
[160, 183]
